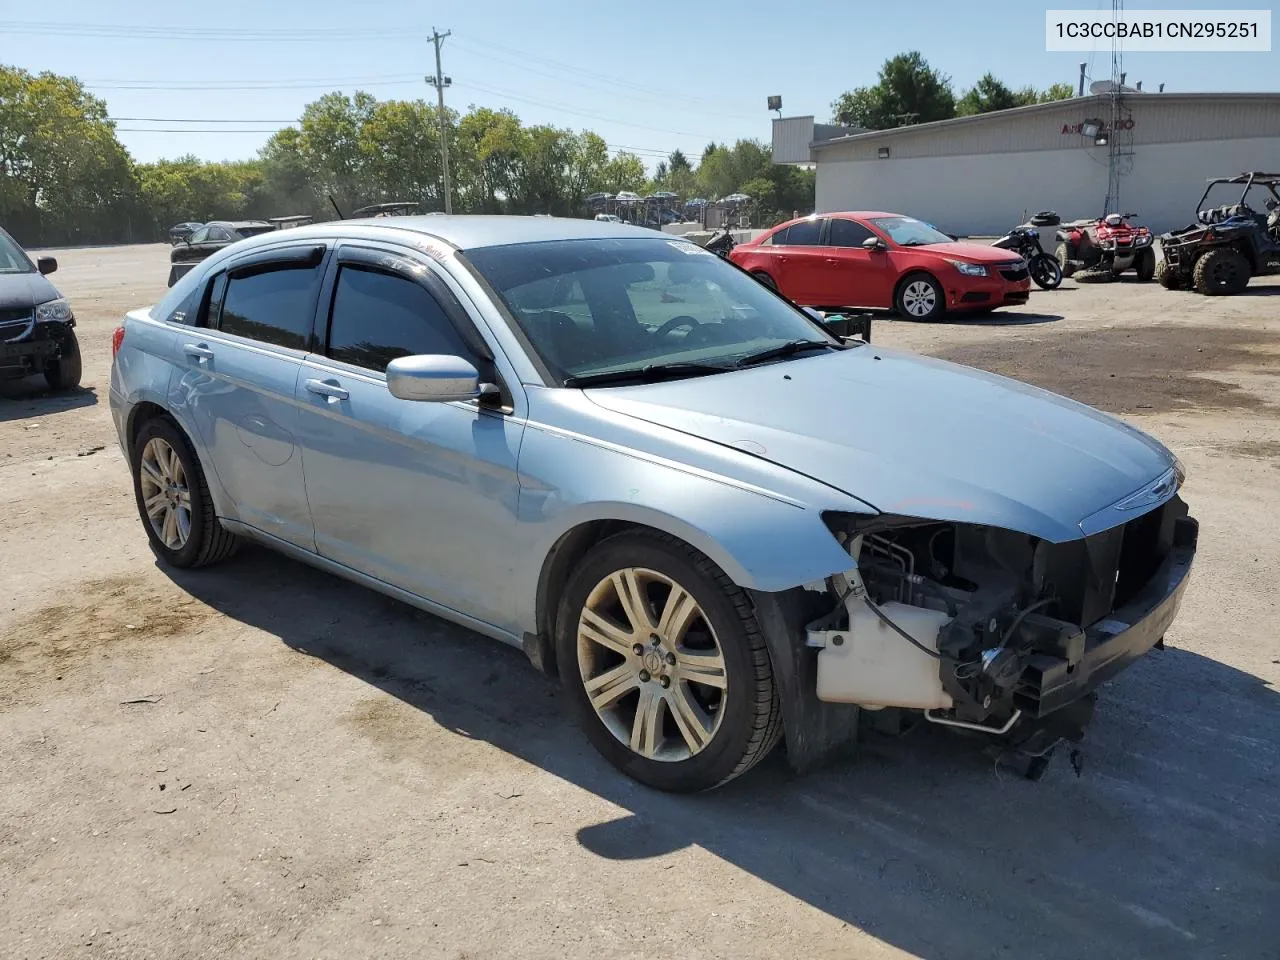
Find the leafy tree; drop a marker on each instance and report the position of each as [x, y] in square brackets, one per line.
[677, 161]
[908, 91]
[625, 172]
[1058, 91]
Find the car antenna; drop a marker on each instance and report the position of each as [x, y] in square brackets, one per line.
[336, 207]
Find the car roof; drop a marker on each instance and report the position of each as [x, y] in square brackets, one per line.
[472, 232]
[854, 214]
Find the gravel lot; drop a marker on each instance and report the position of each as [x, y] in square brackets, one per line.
[259, 760]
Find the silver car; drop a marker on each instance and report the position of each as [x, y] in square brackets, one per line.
[721, 525]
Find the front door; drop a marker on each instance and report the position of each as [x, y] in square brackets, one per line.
[240, 374]
[857, 277]
[420, 495]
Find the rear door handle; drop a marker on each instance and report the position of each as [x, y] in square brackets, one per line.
[327, 388]
[831, 260]
[197, 350]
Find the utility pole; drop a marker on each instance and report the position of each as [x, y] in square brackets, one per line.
[440, 81]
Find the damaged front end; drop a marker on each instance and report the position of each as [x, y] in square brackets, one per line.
[994, 631]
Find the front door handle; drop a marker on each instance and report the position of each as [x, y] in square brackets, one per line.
[327, 388]
[197, 350]
[835, 260]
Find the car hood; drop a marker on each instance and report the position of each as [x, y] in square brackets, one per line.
[20, 291]
[972, 252]
[917, 437]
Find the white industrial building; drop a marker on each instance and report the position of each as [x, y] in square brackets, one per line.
[979, 175]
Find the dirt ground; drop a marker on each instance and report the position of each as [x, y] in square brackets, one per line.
[259, 760]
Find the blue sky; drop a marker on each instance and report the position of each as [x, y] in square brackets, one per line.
[647, 76]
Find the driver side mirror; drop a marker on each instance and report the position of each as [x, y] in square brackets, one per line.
[435, 379]
[874, 243]
[46, 264]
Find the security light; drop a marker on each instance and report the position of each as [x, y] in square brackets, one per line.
[1091, 128]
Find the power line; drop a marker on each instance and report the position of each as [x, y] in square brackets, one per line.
[394, 80]
[201, 34]
[497, 92]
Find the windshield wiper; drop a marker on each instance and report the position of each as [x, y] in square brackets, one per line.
[788, 349]
[653, 372]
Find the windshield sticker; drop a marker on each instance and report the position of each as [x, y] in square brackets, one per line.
[690, 249]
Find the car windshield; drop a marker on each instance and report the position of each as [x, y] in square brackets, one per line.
[594, 308]
[12, 259]
[906, 232]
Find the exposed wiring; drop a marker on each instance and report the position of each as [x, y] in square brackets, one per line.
[1017, 621]
[906, 636]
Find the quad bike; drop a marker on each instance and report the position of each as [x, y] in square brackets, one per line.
[1227, 245]
[1024, 239]
[1106, 247]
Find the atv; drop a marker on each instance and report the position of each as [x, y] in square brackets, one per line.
[1226, 246]
[1106, 247]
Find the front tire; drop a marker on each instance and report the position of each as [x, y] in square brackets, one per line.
[1167, 277]
[665, 665]
[64, 371]
[1221, 272]
[920, 297]
[173, 499]
[765, 279]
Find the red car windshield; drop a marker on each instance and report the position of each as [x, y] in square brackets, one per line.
[906, 232]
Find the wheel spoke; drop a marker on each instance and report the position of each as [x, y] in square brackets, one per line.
[596, 628]
[646, 731]
[699, 667]
[605, 690]
[175, 465]
[156, 504]
[678, 613]
[631, 596]
[151, 473]
[183, 524]
[694, 723]
[169, 531]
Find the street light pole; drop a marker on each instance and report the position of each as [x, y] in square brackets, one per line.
[440, 81]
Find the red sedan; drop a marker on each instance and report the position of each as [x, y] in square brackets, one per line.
[883, 260]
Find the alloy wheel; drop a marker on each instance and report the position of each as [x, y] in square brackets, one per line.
[919, 298]
[166, 497]
[651, 664]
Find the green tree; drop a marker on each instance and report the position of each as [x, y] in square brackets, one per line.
[1057, 91]
[64, 177]
[625, 172]
[990, 94]
[908, 91]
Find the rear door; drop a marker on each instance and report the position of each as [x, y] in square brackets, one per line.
[857, 277]
[420, 495]
[802, 263]
[239, 378]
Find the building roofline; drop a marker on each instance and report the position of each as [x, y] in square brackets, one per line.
[1099, 99]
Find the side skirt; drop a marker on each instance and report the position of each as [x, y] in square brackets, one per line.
[381, 586]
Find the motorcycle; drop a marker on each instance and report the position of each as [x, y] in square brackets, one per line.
[1024, 239]
[1108, 245]
[721, 242]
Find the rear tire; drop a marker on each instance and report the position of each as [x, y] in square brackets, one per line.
[1167, 277]
[64, 371]
[1046, 271]
[173, 498]
[920, 297]
[622, 597]
[1221, 272]
[1063, 256]
[1145, 265]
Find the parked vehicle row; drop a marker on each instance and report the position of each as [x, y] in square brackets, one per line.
[616, 451]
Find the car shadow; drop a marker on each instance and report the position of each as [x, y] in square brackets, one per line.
[1166, 845]
[1001, 318]
[31, 397]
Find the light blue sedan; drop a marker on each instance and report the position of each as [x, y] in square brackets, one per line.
[720, 524]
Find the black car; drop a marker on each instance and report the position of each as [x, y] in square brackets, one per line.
[209, 239]
[36, 334]
[180, 232]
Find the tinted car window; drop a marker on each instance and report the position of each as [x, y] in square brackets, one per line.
[218, 233]
[12, 259]
[200, 236]
[378, 317]
[847, 233]
[271, 306]
[804, 234]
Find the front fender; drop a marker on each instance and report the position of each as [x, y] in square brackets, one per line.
[764, 541]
